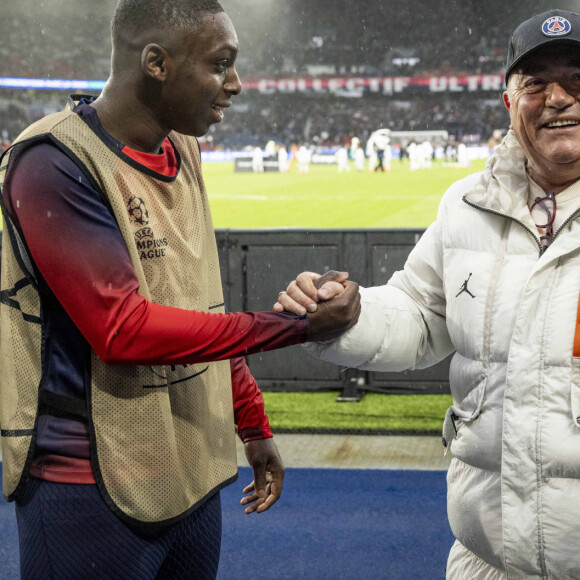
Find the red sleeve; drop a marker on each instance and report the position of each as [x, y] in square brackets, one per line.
[80, 252]
[249, 413]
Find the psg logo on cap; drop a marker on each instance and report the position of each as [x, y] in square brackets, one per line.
[556, 26]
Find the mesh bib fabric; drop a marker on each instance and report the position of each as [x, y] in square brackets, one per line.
[162, 438]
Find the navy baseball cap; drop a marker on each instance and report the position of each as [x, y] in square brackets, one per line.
[546, 28]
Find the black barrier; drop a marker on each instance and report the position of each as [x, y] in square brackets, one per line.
[257, 264]
[245, 164]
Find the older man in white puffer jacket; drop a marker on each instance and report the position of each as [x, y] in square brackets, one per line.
[496, 279]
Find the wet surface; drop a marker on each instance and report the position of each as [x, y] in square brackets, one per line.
[359, 452]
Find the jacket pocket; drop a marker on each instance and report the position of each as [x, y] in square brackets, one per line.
[465, 412]
[575, 390]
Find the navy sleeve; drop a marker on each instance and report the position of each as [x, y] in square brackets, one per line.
[79, 250]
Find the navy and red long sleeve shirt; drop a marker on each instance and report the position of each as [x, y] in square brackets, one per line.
[73, 239]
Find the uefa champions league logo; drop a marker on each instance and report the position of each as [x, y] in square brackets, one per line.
[138, 213]
[556, 26]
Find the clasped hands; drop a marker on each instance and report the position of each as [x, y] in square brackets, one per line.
[331, 302]
[332, 305]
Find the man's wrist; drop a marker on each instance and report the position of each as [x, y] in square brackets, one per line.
[253, 433]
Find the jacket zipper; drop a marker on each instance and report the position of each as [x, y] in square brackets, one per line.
[570, 218]
[513, 219]
[541, 248]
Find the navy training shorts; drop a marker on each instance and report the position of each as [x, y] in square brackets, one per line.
[67, 531]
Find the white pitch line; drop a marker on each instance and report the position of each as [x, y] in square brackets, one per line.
[339, 197]
[240, 196]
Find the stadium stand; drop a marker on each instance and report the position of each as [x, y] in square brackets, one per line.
[323, 120]
[329, 120]
[299, 39]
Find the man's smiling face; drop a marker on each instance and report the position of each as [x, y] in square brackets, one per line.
[543, 101]
[202, 77]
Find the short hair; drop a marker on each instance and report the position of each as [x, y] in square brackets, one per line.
[134, 16]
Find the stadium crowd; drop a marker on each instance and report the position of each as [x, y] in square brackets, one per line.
[366, 37]
[288, 119]
[381, 38]
[334, 120]
[48, 40]
[51, 40]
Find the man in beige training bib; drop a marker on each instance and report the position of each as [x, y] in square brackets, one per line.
[121, 373]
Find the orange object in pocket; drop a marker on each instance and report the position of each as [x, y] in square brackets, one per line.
[576, 349]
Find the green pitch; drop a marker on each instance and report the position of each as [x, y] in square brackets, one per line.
[375, 412]
[324, 198]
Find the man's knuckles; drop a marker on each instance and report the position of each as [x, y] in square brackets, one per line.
[329, 276]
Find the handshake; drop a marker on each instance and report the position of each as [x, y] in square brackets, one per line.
[331, 303]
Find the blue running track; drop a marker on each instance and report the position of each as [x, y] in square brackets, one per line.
[330, 524]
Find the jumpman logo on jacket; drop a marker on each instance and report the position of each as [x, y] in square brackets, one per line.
[464, 287]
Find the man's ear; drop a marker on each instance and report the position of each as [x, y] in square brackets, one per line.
[154, 62]
[506, 100]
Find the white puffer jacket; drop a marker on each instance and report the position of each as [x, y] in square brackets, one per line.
[514, 428]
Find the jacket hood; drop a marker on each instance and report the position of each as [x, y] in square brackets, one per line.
[503, 185]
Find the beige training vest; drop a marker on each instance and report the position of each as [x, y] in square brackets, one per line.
[162, 438]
